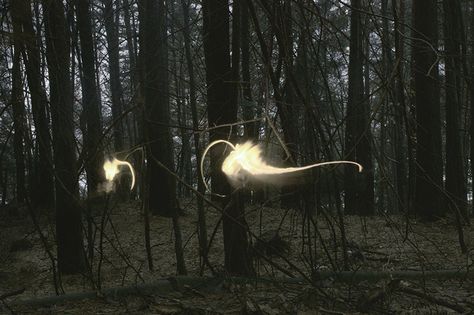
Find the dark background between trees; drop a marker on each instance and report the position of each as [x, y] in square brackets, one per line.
[389, 84]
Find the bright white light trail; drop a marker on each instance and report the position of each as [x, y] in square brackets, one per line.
[111, 170]
[246, 159]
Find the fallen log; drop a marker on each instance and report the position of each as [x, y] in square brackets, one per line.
[180, 283]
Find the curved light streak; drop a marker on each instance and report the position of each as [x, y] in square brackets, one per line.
[111, 168]
[248, 157]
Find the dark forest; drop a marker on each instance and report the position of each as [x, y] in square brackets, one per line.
[236, 157]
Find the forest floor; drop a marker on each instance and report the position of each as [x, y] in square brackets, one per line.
[376, 244]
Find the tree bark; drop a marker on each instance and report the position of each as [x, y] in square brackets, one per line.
[18, 107]
[288, 110]
[400, 110]
[132, 56]
[248, 112]
[68, 213]
[428, 201]
[161, 184]
[130, 45]
[90, 99]
[116, 89]
[154, 54]
[455, 171]
[202, 228]
[222, 109]
[359, 187]
[43, 184]
[184, 163]
[471, 105]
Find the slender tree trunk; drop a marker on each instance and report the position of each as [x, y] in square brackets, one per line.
[202, 229]
[68, 213]
[455, 171]
[93, 157]
[178, 246]
[235, 60]
[391, 130]
[400, 109]
[248, 112]
[19, 126]
[222, 110]
[114, 71]
[162, 186]
[288, 110]
[116, 90]
[154, 54]
[134, 120]
[90, 99]
[247, 103]
[287, 122]
[310, 139]
[359, 187]
[471, 94]
[429, 164]
[184, 159]
[43, 184]
[279, 14]
[218, 74]
[132, 58]
[130, 45]
[18, 106]
[382, 185]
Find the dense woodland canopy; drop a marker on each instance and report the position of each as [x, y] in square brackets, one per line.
[388, 84]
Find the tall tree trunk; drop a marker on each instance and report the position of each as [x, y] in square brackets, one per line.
[284, 111]
[222, 110]
[428, 201]
[218, 74]
[391, 129]
[279, 14]
[235, 60]
[310, 138]
[366, 102]
[18, 106]
[202, 229]
[154, 54]
[248, 112]
[455, 171]
[132, 56]
[43, 187]
[18, 126]
[471, 105]
[90, 99]
[134, 120]
[130, 45]
[359, 187]
[287, 110]
[247, 104]
[116, 89]
[184, 164]
[400, 109]
[68, 213]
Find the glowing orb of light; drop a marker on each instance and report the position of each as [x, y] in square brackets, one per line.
[246, 160]
[111, 169]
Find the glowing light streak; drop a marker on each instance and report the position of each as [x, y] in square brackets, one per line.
[247, 158]
[111, 169]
